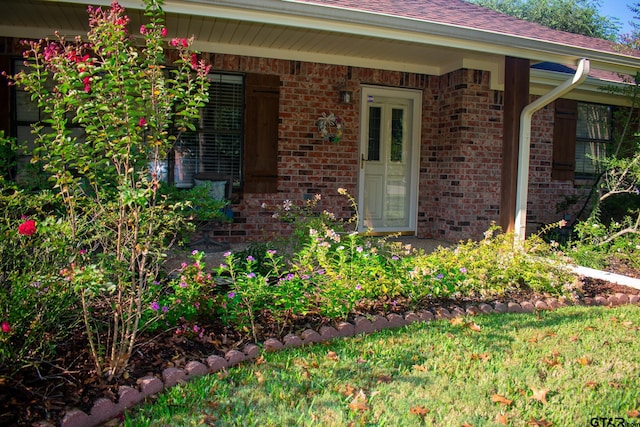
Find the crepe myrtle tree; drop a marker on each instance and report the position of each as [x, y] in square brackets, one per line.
[116, 86]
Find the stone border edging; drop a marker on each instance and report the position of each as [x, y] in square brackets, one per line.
[104, 409]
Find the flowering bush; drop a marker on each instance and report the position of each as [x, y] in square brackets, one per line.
[335, 273]
[36, 304]
[128, 103]
[182, 300]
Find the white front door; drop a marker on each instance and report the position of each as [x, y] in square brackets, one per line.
[389, 159]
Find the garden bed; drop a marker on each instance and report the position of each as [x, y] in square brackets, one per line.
[44, 390]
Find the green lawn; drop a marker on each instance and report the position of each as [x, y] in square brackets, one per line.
[559, 368]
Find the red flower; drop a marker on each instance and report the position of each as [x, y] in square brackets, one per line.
[6, 328]
[164, 32]
[142, 122]
[27, 228]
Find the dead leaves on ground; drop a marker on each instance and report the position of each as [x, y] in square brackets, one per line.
[539, 394]
[459, 321]
[497, 398]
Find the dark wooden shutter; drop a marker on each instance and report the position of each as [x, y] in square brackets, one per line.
[564, 139]
[261, 133]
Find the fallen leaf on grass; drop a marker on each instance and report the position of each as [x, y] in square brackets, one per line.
[259, 377]
[551, 361]
[348, 390]
[456, 321]
[613, 384]
[496, 398]
[359, 403]
[482, 356]
[466, 425]
[502, 419]
[634, 413]
[574, 338]
[540, 394]
[591, 384]
[420, 411]
[459, 321]
[332, 355]
[474, 327]
[538, 423]
[584, 361]
[420, 368]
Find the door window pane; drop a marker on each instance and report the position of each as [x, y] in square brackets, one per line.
[397, 134]
[375, 115]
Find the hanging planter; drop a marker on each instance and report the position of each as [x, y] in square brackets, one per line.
[330, 127]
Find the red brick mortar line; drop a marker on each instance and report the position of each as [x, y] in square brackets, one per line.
[104, 409]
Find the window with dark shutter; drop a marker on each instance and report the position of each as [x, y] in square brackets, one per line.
[564, 139]
[216, 147]
[261, 133]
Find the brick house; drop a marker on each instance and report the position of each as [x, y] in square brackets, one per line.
[429, 94]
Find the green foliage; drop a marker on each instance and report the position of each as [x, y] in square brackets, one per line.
[334, 273]
[184, 300]
[130, 107]
[36, 301]
[573, 16]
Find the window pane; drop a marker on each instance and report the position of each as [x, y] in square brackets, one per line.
[593, 134]
[594, 122]
[397, 134]
[587, 154]
[373, 151]
[217, 146]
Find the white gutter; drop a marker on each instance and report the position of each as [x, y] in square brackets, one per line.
[522, 187]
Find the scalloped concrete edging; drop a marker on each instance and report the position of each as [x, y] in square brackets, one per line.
[104, 409]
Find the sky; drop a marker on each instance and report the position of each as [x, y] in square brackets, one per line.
[618, 9]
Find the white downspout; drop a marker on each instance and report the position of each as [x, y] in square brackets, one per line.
[522, 186]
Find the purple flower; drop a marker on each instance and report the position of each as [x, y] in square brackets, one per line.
[226, 254]
[194, 252]
[359, 249]
[271, 252]
[251, 275]
[395, 258]
[250, 258]
[440, 276]
[358, 287]
[165, 308]
[154, 306]
[230, 295]
[321, 271]
[463, 270]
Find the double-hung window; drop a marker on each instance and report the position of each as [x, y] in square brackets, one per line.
[216, 147]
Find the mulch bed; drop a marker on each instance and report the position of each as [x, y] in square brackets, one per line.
[45, 391]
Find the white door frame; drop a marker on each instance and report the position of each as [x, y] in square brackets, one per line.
[368, 94]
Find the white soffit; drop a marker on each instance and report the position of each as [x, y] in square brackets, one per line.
[321, 33]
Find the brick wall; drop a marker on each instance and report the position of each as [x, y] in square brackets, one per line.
[461, 149]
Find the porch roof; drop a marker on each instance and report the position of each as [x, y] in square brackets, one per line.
[423, 36]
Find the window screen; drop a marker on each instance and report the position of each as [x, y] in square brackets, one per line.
[216, 147]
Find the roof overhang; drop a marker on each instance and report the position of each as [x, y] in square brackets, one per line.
[295, 30]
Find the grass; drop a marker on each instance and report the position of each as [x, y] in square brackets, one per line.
[558, 368]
